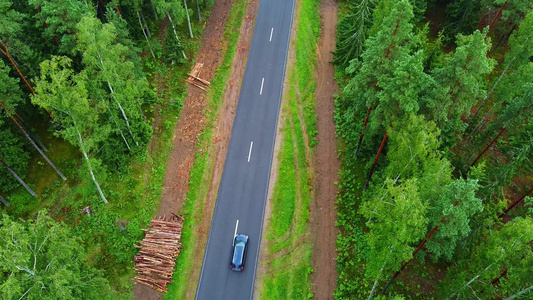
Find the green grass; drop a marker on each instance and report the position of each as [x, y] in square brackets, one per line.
[203, 163]
[288, 247]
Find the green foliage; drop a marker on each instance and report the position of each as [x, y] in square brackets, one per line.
[42, 259]
[421, 89]
[507, 250]
[11, 146]
[462, 17]
[517, 63]
[396, 219]
[352, 32]
[452, 211]
[61, 18]
[461, 83]
[11, 29]
[120, 86]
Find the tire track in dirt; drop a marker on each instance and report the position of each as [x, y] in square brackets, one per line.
[323, 211]
[190, 124]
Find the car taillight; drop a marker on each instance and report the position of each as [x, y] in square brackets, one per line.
[242, 268]
[230, 266]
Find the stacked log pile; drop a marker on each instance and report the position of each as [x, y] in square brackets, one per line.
[158, 252]
[194, 77]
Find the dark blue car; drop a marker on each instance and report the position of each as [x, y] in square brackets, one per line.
[238, 254]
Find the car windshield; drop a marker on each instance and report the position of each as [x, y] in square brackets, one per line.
[237, 255]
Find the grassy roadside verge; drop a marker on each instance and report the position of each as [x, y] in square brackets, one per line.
[203, 163]
[288, 247]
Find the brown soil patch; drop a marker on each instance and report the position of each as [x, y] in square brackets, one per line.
[323, 211]
[189, 125]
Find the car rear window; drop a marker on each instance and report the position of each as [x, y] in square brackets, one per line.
[237, 255]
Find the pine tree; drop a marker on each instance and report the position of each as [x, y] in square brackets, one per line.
[461, 84]
[352, 32]
[451, 212]
[61, 17]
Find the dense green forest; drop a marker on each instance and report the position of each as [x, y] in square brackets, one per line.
[435, 117]
[81, 84]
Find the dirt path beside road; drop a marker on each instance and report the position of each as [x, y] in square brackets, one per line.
[323, 211]
[189, 125]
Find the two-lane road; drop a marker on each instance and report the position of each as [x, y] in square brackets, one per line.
[243, 188]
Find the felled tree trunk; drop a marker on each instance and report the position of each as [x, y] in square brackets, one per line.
[18, 178]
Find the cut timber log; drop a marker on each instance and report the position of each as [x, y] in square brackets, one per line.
[200, 79]
[158, 251]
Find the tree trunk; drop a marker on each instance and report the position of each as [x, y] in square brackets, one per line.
[123, 112]
[492, 89]
[188, 19]
[37, 148]
[117, 102]
[466, 285]
[145, 24]
[526, 290]
[375, 162]
[18, 178]
[486, 148]
[515, 203]
[145, 36]
[5, 51]
[375, 285]
[118, 127]
[198, 10]
[362, 131]
[154, 10]
[176, 35]
[4, 201]
[46, 24]
[498, 14]
[414, 253]
[118, 12]
[28, 129]
[89, 165]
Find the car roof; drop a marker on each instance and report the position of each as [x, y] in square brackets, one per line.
[238, 254]
[241, 238]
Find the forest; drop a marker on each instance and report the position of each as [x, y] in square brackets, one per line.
[435, 121]
[81, 85]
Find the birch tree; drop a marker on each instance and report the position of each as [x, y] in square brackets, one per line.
[395, 218]
[9, 97]
[500, 266]
[65, 94]
[43, 259]
[124, 80]
[176, 15]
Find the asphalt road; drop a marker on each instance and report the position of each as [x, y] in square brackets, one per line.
[244, 185]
